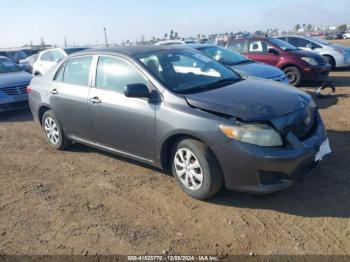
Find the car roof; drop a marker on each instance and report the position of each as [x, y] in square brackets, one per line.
[132, 50]
[197, 45]
[300, 36]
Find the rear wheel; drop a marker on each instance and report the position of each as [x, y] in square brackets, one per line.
[53, 131]
[195, 169]
[293, 74]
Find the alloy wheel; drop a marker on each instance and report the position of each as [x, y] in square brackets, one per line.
[51, 130]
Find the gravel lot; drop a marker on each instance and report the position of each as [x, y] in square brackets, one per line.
[84, 201]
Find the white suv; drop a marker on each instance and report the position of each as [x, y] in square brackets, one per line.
[335, 55]
[50, 57]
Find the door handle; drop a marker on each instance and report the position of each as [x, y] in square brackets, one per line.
[95, 100]
[54, 91]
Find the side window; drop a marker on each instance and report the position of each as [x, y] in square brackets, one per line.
[77, 71]
[57, 55]
[47, 56]
[298, 42]
[115, 73]
[258, 46]
[283, 38]
[238, 46]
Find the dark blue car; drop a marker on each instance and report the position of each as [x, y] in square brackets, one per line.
[241, 64]
[13, 84]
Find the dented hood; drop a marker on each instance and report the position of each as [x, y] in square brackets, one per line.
[251, 100]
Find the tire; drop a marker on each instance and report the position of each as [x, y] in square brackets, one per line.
[330, 60]
[212, 179]
[53, 132]
[293, 74]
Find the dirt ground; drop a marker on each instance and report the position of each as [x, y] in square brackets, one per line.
[84, 201]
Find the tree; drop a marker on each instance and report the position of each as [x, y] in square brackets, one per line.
[309, 27]
[342, 28]
[166, 36]
[199, 36]
[297, 27]
[171, 34]
[176, 35]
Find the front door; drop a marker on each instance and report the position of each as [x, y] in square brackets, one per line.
[259, 50]
[121, 123]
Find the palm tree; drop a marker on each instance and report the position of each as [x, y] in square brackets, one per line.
[171, 34]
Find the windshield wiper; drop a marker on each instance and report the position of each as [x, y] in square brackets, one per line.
[214, 85]
[243, 62]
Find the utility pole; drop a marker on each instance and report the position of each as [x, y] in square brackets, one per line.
[104, 29]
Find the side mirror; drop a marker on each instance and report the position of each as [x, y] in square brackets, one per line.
[273, 51]
[137, 91]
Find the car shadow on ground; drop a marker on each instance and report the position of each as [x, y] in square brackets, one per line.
[325, 193]
[80, 148]
[22, 115]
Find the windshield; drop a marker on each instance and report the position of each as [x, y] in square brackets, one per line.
[186, 71]
[223, 55]
[7, 66]
[320, 41]
[282, 44]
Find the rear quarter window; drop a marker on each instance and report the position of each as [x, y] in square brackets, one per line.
[75, 71]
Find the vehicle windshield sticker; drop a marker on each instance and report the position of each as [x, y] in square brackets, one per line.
[7, 64]
[203, 58]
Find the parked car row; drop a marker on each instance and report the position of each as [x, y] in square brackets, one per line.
[181, 108]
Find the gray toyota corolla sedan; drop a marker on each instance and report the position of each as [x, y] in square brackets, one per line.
[177, 109]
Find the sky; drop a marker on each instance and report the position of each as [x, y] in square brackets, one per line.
[81, 22]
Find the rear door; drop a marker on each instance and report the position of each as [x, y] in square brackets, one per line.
[122, 123]
[68, 97]
[259, 50]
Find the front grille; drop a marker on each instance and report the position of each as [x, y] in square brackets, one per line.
[305, 126]
[14, 90]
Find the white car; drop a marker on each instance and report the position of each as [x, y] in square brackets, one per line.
[50, 57]
[335, 55]
[346, 35]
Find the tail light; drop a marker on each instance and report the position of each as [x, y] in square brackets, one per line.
[29, 89]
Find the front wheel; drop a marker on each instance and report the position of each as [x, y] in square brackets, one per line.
[330, 60]
[196, 169]
[53, 131]
[293, 74]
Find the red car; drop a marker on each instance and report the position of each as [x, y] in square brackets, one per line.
[298, 65]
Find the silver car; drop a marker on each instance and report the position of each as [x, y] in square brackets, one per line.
[13, 85]
[335, 55]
